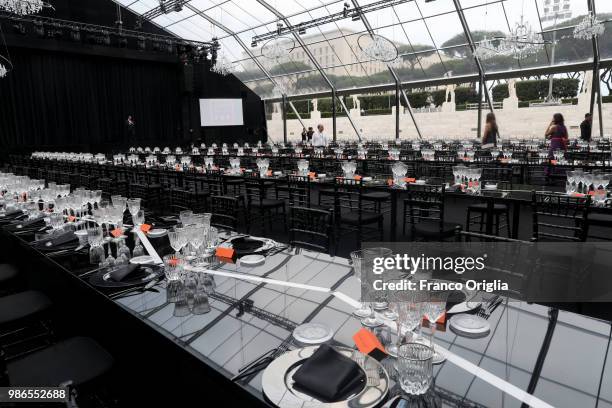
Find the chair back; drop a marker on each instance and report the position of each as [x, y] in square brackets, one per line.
[559, 217]
[225, 212]
[299, 191]
[425, 203]
[311, 229]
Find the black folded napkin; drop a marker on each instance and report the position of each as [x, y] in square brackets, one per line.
[20, 225]
[12, 213]
[328, 375]
[123, 272]
[58, 241]
[246, 245]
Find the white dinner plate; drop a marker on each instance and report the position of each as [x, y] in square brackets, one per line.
[471, 324]
[142, 260]
[252, 260]
[313, 333]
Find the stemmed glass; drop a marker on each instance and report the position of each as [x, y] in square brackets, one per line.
[177, 239]
[133, 205]
[409, 316]
[588, 180]
[569, 185]
[95, 238]
[357, 258]
[370, 254]
[433, 309]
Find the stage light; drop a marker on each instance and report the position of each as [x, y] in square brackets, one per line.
[302, 31]
[142, 44]
[123, 42]
[19, 28]
[178, 6]
[138, 24]
[75, 34]
[169, 47]
[156, 46]
[39, 29]
[106, 38]
[279, 28]
[253, 44]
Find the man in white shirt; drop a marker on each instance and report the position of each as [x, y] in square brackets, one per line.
[319, 139]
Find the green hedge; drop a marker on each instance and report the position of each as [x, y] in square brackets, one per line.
[606, 99]
[538, 89]
[500, 92]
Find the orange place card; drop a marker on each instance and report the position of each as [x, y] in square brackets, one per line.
[145, 228]
[409, 179]
[390, 182]
[369, 344]
[71, 218]
[591, 193]
[269, 173]
[312, 174]
[358, 177]
[553, 162]
[224, 252]
[117, 232]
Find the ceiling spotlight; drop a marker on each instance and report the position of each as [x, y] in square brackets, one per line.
[19, 28]
[253, 44]
[178, 6]
[302, 31]
[345, 11]
[169, 47]
[279, 28]
[138, 24]
[356, 16]
[106, 38]
[162, 7]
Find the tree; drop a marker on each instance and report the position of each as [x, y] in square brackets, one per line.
[411, 53]
[290, 67]
[459, 39]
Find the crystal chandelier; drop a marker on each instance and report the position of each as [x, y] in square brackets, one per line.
[521, 42]
[222, 66]
[485, 49]
[589, 27]
[22, 7]
[277, 48]
[378, 48]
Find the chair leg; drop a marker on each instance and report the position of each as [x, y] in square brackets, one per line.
[467, 221]
[482, 221]
[497, 219]
[508, 226]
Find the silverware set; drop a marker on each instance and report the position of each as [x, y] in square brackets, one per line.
[489, 306]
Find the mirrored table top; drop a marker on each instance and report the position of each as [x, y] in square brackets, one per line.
[483, 372]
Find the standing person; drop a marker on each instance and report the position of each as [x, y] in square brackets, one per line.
[304, 135]
[130, 127]
[310, 133]
[557, 133]
[319, 139]
[490, 131]
[586, 127]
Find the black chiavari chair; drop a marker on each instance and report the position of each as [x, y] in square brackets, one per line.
[260, 207]
[424, 211]
[353, 213]
[502, 177]
[311, 228]
[559, 217]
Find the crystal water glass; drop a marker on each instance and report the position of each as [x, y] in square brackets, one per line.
[302, 166]
[357, 258]
[367, 265]
[409, 317]
[415, 368]
[433, 310]
[133, 205]
[399, 170]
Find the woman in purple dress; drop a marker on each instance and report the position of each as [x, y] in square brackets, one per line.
[557, 133]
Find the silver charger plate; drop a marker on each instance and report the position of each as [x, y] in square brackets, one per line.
[277, 382]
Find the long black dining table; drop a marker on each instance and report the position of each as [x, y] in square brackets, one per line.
[532, 356]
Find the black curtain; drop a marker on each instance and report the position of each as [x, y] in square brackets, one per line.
[81, 101]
